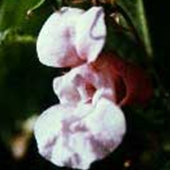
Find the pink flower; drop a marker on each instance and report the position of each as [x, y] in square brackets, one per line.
[88, 123]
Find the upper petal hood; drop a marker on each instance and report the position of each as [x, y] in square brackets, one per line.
[55, 41]
[71, 36]
[90, 34]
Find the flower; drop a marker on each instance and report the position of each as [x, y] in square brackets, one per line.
[88, 123]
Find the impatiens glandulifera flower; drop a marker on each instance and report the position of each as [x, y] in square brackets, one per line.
[71, 36]
[88, 123]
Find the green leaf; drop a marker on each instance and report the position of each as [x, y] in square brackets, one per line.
[25, 85]
[135, 10]
[13, 14]
[123, 43]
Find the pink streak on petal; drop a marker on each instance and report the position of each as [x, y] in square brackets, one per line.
[55, 46]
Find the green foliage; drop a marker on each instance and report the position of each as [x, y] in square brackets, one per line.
[135, 10]
[25, 84]
[13, 14]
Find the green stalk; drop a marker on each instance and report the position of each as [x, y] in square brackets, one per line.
[144, 29]
[6, 38]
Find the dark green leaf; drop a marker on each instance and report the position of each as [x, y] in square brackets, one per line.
[135, 10]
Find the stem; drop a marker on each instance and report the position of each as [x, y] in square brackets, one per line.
[129, 22]
[149, 50]
[144, 29]
[24, 39]
[17, 39]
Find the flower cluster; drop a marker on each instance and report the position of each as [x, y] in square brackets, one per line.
[88, 123]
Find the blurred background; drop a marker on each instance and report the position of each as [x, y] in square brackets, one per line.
[26, 90]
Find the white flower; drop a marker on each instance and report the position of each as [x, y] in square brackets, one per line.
[87, 124]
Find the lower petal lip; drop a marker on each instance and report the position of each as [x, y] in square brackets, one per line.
[92, 118]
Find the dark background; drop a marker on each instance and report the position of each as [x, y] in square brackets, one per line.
[157, 13]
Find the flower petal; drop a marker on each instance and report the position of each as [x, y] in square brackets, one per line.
[55, 45]
[65, 89]
[90, 34]
[84, 83]
[63, 131]
[135, 82]
[110, 128]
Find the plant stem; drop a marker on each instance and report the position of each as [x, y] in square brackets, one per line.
[144, 29]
